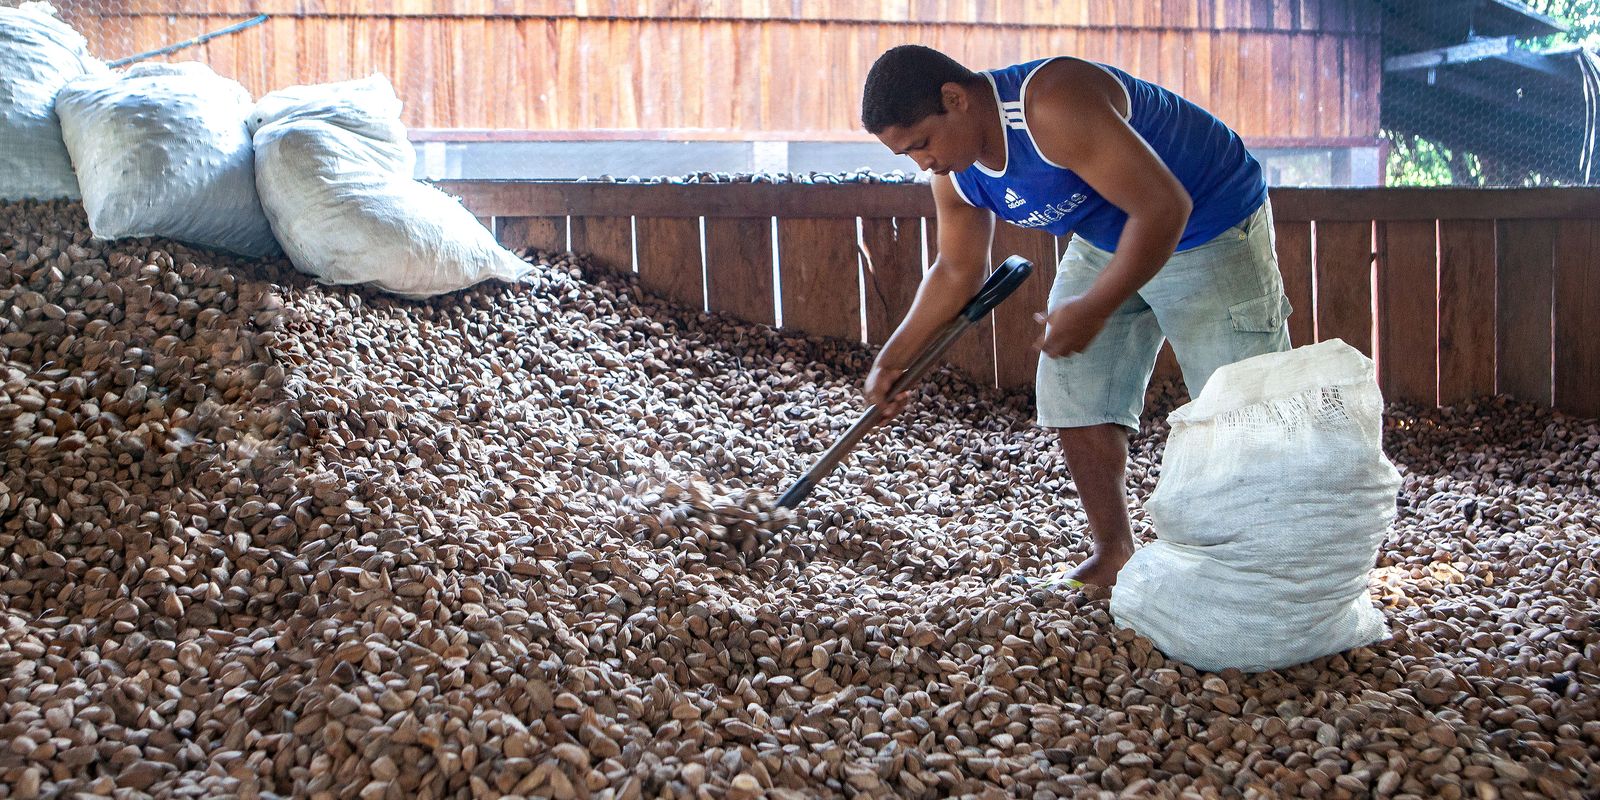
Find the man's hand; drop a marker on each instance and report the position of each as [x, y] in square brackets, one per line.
[879, 381]
[1070, 327]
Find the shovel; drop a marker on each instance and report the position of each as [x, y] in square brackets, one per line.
[1001, 283]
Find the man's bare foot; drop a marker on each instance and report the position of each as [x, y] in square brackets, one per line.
[1101, 567]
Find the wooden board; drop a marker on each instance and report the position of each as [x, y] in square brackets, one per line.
[608, 241]
[1525, 297]
[668, 251]
[641, 66]
[1224, 79]
[1017, 14]
[1577, 318]
[1343, 263]
[539, 233]
[1301, 123]
[972, 354]
[739, 268]
[1293, 243]
[1408, 308]
[1255, 86]
[1329, 110]
[1466, 310]
[819, 276]
[1016, 362]
[893, 271]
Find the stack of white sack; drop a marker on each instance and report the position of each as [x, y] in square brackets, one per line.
[162, 150]
[333, 167]
[38, 55]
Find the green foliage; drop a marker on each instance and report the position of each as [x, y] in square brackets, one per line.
[1415, 161]
[1582, 18]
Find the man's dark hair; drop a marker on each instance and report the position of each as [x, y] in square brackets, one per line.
[903, 86]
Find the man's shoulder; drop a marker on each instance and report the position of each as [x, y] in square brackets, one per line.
[1069, 81]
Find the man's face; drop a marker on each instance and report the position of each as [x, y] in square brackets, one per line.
[939, 143]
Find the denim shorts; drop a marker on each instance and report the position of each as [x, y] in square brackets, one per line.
[1219, 302]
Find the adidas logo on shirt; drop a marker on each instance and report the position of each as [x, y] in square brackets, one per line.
[1012, 200]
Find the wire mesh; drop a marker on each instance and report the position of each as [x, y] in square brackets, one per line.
[1491, 94]
[109, 32]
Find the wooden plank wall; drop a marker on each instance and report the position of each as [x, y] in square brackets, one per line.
[1282, 72]
[1457, 293]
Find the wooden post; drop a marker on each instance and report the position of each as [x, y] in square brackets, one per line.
[893, 248]
[1344, 283]
[1466, 310]
[668, 250]
[1016, 362]
[818, 272]
[1526, 288]
[739, 268]
[1577, 317]
[608, 241]
[1408, 311]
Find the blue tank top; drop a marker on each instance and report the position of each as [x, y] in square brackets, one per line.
[1222, 178]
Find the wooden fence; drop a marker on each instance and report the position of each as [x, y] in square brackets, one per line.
[1457, 293]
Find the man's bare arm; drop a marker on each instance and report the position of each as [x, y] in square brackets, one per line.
[965, 234]
[1075, 110]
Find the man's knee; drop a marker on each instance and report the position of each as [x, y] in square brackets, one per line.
[1103, 443]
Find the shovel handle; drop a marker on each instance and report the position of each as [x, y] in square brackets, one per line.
[1000, 284]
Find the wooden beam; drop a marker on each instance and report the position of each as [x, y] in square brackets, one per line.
[632, 135]
[457, 135]
[1535, 62]
[519, 198]
[1354, 205]
[1454, 54]
[1467, 89]
[515, 198]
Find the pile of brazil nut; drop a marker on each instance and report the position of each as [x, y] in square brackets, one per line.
[265, 538]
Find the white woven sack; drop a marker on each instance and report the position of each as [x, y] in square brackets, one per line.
[162, 150]
[38, 55]
[1273, 500]
[367, 108]
[334, 170]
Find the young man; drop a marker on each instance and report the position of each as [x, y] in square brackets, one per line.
[1171, 238]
